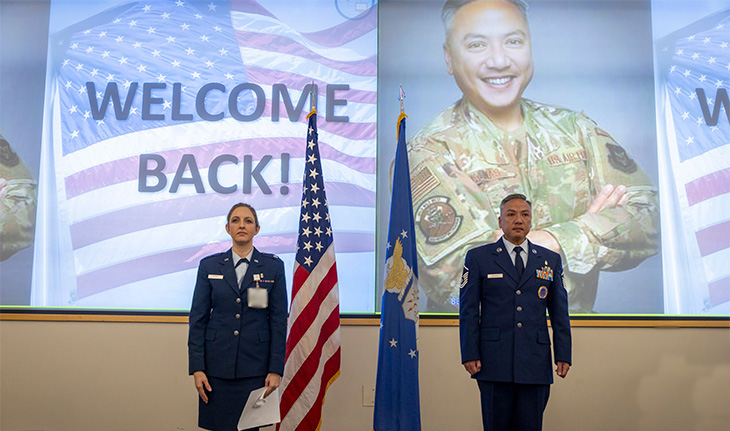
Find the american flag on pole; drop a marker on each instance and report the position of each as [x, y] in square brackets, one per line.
[194, 106]
[313, 341]
[397, 399]
[694, 73]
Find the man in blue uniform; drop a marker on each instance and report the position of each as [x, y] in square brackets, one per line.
[506, 289]
[593, 203]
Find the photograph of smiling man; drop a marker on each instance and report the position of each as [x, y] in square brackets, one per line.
[594, 204]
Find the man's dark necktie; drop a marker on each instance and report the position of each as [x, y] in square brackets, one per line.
[519, 264]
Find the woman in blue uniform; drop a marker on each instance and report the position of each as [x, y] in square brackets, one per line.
[237, 337]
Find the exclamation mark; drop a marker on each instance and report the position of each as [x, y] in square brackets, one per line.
[284, 173]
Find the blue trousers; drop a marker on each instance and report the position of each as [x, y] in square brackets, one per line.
[512, 406]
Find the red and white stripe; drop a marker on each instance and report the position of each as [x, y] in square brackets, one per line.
[312, 345]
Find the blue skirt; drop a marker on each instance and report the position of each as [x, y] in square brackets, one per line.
[226, 402]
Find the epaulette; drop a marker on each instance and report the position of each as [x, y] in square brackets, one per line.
[270, 255]
[440, 131]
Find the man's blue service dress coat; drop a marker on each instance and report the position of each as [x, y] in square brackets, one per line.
[502, 321]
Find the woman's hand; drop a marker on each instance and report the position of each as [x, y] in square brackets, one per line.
[272, 382]
[202, 385]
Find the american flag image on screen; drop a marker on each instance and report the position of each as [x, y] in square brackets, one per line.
[694, 150]
[161, 115]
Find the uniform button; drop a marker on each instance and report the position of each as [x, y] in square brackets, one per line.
[238, 316]
[238, 300]
[519, 325]
[519, 308]
[519, 292]
[235, 332]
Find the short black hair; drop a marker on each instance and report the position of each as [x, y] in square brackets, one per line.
[451, 6]
[244, 205]
[514, 196]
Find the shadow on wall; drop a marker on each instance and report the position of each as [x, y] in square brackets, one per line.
[684, 396]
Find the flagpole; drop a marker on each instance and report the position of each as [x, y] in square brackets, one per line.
[313, 347]
[401, 97]
[397, 399]
[312, 95]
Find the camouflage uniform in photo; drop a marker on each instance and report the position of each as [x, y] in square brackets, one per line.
[462, 166]
[17, 211]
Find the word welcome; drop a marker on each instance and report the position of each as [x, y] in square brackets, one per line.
[150, 91]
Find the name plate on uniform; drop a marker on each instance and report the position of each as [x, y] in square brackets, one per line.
[495, 275]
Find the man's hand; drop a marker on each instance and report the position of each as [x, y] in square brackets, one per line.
[3, 193]
[545, 239]
[202, 385]
[473, 367]
[609, 197]
[272, 382]
[562, 368]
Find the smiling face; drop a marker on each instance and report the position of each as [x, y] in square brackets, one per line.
[242, 226]
[515, 220]
[489, 52]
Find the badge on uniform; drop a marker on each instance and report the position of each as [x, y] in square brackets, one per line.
[546, 273]
[257, 296]
[464, 277]
[542, 292]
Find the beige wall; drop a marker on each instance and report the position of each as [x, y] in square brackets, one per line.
[77, 376]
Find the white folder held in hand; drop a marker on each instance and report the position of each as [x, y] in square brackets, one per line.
[260, 411]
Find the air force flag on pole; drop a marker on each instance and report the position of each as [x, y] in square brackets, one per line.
[397, 404]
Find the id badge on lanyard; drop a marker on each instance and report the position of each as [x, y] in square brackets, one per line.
[257, 296]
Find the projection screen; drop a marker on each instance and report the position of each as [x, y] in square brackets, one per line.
[130, 128]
